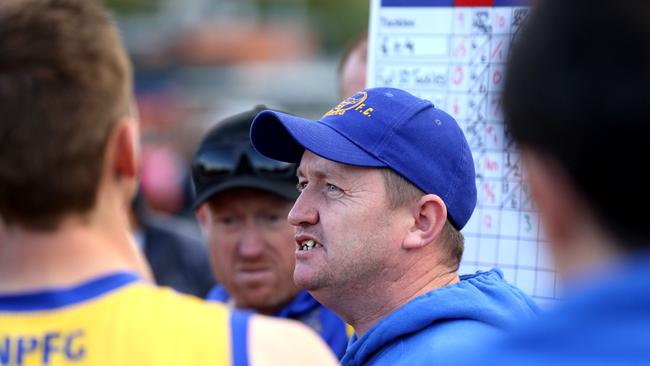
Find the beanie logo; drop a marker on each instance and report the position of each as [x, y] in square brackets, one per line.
[354, 102]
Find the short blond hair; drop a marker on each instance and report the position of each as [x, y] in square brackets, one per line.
[401, 192]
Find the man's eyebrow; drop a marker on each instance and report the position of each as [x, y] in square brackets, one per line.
[321, 173]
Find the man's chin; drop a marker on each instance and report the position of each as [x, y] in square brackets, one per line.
[305, 280]
[263, 302]
[255, 301]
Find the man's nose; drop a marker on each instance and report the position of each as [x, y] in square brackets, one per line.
[304, 211]
[252, 242]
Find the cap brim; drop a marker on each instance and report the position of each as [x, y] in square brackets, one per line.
[284, 137]
[281, 188]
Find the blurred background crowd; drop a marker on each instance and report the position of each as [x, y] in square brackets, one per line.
[197, 61]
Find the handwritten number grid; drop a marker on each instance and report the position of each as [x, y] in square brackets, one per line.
[456, 57]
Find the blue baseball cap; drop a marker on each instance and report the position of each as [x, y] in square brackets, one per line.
[381, 128]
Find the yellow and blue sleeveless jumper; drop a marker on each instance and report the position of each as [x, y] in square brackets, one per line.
[119, 319]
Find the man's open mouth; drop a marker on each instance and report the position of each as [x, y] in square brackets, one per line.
[309, 245]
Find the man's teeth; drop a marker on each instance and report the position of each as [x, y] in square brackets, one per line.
[309, 245]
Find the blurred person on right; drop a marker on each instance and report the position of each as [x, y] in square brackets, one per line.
[74, 289]
[577, 103]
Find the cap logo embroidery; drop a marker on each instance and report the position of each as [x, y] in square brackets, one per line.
[354, 102]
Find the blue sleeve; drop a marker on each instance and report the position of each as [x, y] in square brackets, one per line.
[333, 331]
[239, 334]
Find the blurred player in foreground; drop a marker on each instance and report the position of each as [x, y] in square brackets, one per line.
[73, 287]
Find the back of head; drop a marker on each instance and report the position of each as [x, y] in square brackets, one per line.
[65, 80]
[577, 93]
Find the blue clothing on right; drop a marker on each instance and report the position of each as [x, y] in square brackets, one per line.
[606, 322]
[435, 328]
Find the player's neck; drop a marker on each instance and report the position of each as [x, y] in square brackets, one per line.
[75, 252]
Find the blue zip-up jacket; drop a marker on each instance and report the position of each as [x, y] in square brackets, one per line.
[304, 308]
[606, 321]
[436, 327]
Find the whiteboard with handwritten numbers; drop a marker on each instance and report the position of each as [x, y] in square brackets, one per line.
[453, 53]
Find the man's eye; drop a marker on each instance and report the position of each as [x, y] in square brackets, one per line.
[270, 220]
[301, 186]
[333, 188]
[272, 217]
[229, 220]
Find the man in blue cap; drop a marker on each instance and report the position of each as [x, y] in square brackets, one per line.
[387, 181]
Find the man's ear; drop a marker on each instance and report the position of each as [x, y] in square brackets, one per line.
[430, 215]
[122, 157]
[127, 148]
[204, 217]
[202, 214]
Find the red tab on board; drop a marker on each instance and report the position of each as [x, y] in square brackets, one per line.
[474, 2]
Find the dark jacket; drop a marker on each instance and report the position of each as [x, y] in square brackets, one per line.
[178, 257]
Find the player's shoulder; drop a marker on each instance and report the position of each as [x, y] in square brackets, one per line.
[284, 342]
[270, 341]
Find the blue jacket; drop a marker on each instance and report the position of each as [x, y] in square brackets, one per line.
[434, 328]
[306, 309]
[605, 322]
